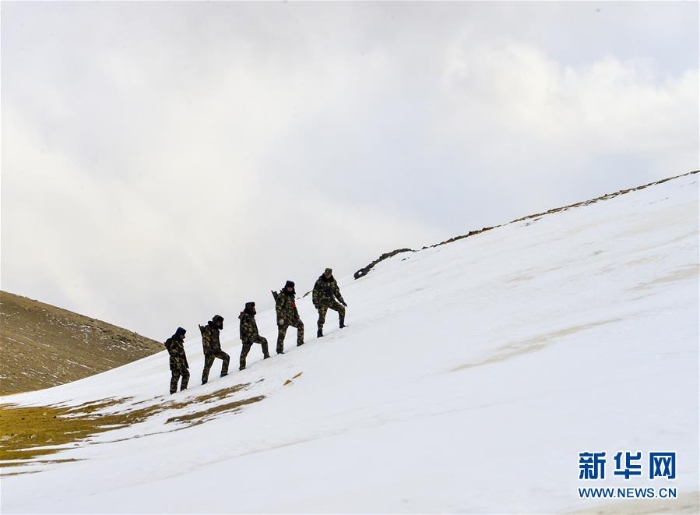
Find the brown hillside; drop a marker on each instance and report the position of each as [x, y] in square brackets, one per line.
[43, 346]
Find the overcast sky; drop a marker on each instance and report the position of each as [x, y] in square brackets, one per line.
[166, 161]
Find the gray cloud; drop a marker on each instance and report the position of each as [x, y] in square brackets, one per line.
[163, 161]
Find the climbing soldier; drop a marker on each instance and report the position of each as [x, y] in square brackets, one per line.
[178, 360]
[249, 333]
[287, 314]
[212, 346]
[326, 291]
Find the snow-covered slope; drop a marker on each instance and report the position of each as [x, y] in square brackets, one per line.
[470, 379]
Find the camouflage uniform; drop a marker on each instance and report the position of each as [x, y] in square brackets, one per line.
[178, 360]
[325, 293]
[249, 333]
[287, 314]
[212, 347]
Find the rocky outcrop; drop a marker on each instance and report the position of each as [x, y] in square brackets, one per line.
[364, 271]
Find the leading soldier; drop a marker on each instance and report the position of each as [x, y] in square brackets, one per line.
[326, 291]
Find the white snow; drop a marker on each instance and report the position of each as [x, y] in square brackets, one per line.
[470, 378]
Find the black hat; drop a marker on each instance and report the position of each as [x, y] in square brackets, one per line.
[180, 331]
[289, 283]
[217, 318]
[249, 305]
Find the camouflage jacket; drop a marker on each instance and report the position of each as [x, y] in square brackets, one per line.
[326, 291]
[210, 338]
[249, 328]
[286, 307]
[176, 349]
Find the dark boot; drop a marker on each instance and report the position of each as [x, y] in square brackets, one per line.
[319, 333]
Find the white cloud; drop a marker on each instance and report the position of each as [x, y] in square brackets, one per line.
[165, 161]
[531, 129]
[604, 106]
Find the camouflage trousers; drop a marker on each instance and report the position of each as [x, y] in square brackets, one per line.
[177, 373]
[335, 306]
[209, 361]
[247, 346]
[282, 332]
